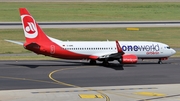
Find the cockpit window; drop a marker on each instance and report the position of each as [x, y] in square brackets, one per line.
[168, 47]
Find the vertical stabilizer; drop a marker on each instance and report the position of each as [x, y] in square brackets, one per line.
[32, 31]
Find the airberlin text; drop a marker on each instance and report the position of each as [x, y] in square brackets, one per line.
[150, 49]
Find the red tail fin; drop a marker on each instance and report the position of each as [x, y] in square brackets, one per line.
[32, 31]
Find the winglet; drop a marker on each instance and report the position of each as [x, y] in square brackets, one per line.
[119, 49]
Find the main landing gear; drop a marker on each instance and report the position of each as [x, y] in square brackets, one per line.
[92, 62]
[105, 62]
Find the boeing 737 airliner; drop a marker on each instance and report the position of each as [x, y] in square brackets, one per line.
[125, 52]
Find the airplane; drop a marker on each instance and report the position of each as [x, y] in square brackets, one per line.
[125, 52]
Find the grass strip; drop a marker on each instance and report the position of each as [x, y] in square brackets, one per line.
[169, 36]
[102, 11]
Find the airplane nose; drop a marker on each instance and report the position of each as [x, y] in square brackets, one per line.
[173, 51]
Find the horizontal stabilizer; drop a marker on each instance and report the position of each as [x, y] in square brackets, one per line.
[16, 42]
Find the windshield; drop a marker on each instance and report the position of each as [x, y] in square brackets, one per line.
[168, 47]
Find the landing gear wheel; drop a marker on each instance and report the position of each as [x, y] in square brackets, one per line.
[105, 63]
[160, 61]
[92, 62]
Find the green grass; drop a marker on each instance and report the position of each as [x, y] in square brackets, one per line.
[118, 11]
[170, 36]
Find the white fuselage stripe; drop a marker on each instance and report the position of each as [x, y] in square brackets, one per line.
[141, 49]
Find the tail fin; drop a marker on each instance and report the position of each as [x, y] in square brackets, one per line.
[32, 31]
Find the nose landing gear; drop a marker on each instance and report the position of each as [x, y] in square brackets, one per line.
[160, 61]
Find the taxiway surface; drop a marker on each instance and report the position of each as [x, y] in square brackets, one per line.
[70, 73]
[67, 80]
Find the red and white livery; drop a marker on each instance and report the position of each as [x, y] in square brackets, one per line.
[125, 52]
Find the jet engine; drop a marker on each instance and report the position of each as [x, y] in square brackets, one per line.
[128, 59]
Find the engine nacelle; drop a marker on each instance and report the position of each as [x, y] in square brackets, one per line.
[129, 59]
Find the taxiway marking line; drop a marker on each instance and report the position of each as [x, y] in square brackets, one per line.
[66, 84]
[150, 94]
[119, 94]
[106, 90]
[90, 96]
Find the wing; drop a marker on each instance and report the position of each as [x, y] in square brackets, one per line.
[120, 56]
[109, 55]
